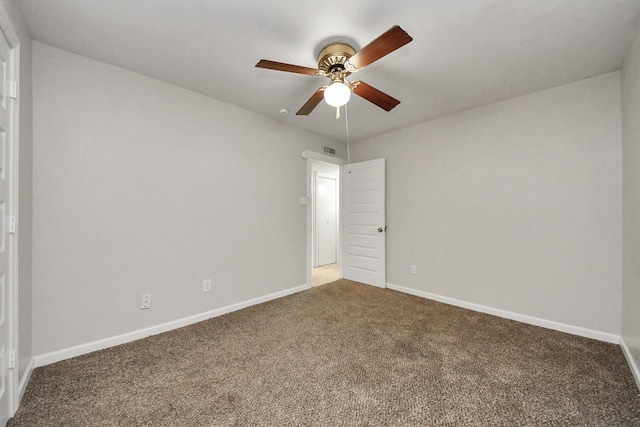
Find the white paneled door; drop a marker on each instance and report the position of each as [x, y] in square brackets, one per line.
[364, 229]
[326, 219]
[6, 117]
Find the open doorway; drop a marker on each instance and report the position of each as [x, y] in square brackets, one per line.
[323, 218]
[325, 208]
[325, 202]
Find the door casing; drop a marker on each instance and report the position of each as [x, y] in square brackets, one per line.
[11, 356]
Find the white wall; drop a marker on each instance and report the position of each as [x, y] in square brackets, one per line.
[630, 78]
[25, 170]
[143, 187]
[325, 168]
[515, 206]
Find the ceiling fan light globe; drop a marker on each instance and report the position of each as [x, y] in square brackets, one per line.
[337, 94]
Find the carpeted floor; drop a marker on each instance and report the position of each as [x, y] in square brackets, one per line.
[342, 354]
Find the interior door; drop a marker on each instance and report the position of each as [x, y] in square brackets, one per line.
[326, 219]
[6, 115]
[364, 240]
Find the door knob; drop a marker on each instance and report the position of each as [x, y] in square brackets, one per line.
[380, 230]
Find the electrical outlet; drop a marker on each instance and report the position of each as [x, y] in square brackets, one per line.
[413, 269]
[206, 285]
[145, 301]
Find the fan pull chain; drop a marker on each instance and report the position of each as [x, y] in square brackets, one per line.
[346, 121]
[337, 113]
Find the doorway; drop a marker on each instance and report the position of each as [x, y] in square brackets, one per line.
[325, 202]
[323, 218]
[361, 232]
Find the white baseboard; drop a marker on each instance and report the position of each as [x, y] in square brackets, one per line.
[68, 353]
[26, 377]
[570, 329]
[632, 363]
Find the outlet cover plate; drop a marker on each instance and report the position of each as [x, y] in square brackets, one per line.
[145, 302]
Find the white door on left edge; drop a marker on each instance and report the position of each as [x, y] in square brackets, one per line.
[6, 118]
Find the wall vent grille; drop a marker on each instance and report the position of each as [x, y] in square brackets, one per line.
[329, 150]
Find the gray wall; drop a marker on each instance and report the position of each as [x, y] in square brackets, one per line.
[25, 190]
[514, 206]
[631, 199]
[143, 187]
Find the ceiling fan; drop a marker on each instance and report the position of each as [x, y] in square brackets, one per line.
[339, 60]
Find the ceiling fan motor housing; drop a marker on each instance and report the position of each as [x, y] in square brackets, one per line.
[333, 57]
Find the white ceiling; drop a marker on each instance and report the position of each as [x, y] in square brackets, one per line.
[465, 53]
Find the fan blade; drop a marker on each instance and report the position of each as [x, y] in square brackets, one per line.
[373, 95]
[281, 66]
[312, 102]
[393, 39]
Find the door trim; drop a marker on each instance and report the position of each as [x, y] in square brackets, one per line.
[8, 30]
[310, 156]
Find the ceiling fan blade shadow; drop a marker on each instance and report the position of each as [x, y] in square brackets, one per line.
[393, 39]
[281, 66]
[312, 102]
[373, 95]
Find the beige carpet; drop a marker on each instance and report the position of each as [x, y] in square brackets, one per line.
[342, 354]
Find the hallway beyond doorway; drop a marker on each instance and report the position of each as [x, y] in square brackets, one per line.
[325, 274]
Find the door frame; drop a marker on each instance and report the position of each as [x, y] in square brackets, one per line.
[310, 156]
[12, 150]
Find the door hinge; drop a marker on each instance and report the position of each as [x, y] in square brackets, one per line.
[12, 224]
[13, 90]
[12, 359]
